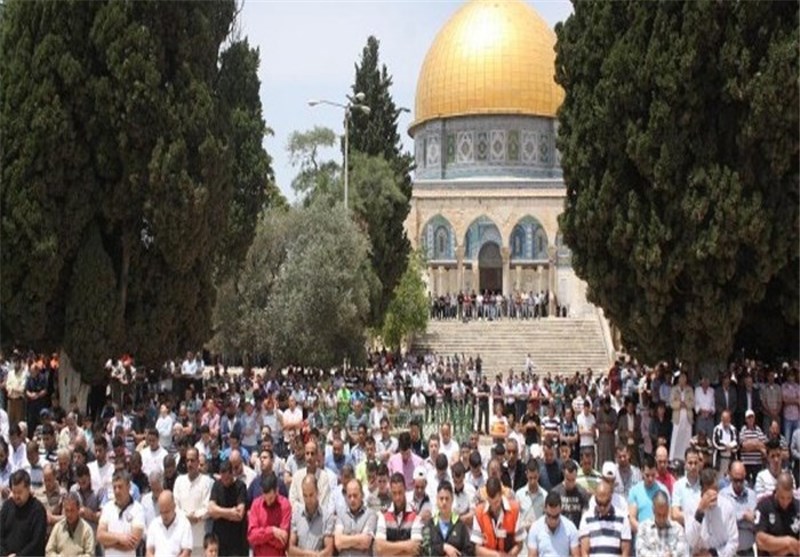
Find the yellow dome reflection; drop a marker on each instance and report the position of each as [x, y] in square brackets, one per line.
[491, 57]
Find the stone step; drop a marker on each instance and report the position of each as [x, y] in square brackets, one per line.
[558, 346]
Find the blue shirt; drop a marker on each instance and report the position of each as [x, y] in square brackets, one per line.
[642, 497]
[553, 544]
[686, 496]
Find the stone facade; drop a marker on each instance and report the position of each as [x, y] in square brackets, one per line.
[487, 195]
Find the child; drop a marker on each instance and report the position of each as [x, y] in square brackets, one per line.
[211, 545]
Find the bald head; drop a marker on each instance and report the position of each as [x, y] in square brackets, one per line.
[603, 491]
[166, 507]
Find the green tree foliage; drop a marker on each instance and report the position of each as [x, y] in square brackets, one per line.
[679, 145]
[376, 135]
[131, 167]
[302, 295]
[409, 309]
[315, 177]
[241, 320]
[320, 301]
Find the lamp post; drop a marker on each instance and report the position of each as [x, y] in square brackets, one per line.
[354, 102]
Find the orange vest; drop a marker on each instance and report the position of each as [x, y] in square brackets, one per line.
[490, 539]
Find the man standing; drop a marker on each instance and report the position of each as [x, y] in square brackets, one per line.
[72, 535]
[605, 532]
[711, 526]
[628, 475]
[704, 407]
[153, 454]
[778, 520]
[686, 493]
[311, 526]
[725, 397]
[588, 477]
[355, 528]
[23, 520]
[399, 529]
[101, 469]
[726, 442]
[574, 498]
[640, 500]
[192, 494]
[513, 474]
[268, 521]
[553, 535]
[324, 488]
[445, 533]
[404, 461]
[170, 534]
[531, 497]
[768, 478]
[226, 508]
[744, 502]
[121, 524]
[659, 536]
[496, 528]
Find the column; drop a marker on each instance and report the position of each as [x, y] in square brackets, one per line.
[460, 268]
[552, 281]
[517, 278]
[440, 280]
[506, 257]
[538, 279]
[476, 276]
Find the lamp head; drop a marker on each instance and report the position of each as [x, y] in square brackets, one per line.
[360, 96]
[313, 102]
[363, 108]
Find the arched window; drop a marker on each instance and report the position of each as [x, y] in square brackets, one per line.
[540, 243]
[518, 242]
[442, 243]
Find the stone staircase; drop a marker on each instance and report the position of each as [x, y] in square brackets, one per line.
[558, 346]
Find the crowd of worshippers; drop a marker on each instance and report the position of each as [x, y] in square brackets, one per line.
[307, 463]
[490, 305]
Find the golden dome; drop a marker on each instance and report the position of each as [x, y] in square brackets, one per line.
[491, 57]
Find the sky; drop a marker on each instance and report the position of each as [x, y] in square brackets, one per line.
[309, 50]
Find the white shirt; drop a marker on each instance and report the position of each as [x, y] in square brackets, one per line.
[417, 401]
[101, 477]
[586, 422]
[169, 542]
[122, 523]
[704, 400]
[18, 457]
[4, 425]
[164, 426]
[189, 368]
[450, 449]
[191, 500]
[149, 509]
[153, 461]
[717, 531]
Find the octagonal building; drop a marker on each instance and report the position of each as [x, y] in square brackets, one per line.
[488, 186]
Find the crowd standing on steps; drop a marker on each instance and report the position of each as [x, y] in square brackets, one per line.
[423, 455]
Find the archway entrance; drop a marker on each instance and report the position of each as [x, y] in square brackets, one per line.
[490, 266]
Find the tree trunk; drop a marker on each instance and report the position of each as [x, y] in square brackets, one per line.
[70, 384]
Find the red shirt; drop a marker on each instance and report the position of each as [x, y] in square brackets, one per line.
[668, 480]
[260, 521]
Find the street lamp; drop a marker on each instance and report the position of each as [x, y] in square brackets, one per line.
[353, 103]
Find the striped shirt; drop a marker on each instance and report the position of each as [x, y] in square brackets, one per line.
[605, 533]
[751, 458]
[551, 424]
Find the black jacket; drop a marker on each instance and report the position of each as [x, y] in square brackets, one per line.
[457, 536]
[515, 478]
[23, 529]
